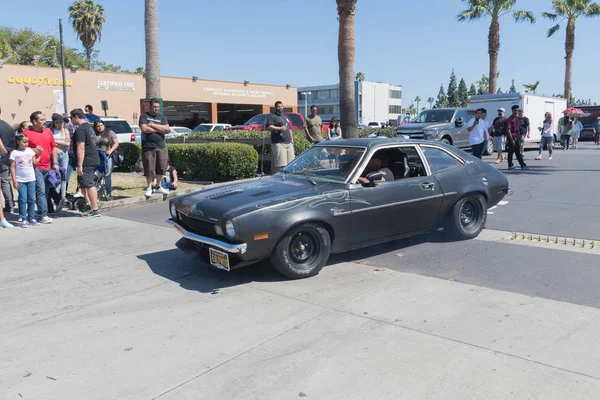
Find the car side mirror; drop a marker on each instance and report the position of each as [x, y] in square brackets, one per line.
[459, 122]
[374, 176]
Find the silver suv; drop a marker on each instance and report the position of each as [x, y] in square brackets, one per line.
[448, 125]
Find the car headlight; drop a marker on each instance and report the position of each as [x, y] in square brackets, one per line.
[229, 229]
[430, 132]
[173, 210]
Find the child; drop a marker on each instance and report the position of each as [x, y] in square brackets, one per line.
[170, 179]
[22, 161]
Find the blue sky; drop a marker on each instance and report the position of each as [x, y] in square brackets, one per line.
[412, 43]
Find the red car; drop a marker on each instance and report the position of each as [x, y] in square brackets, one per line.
[258, 123]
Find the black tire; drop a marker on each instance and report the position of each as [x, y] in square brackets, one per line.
[490, 148]
[446, 140]
[302, 252]
[467, 218]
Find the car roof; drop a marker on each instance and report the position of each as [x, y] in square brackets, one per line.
[376, 142]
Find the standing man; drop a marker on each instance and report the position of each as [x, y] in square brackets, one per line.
[89, 114]
[282, 141]
[155, 155]
[313, 126]
[478, 133]
[87, 159]
[513, 126]
[7, 138]
[524, 131]
[42, 139]
[499, 134]
[597, 131]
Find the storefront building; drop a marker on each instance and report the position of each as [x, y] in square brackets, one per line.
[186, 101]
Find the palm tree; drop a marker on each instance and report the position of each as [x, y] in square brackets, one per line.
[431, 100]
[152, 56]
[494, 9]
[570, 10]
[88, 20]
[360, 77]
[417, 100]
[531, 87]
[346, 54]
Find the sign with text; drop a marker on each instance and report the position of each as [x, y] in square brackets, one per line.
[223, 92]
[116, 86]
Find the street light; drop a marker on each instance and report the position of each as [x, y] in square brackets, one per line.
[305, 102]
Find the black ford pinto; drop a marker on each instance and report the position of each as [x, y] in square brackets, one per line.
[337, 196]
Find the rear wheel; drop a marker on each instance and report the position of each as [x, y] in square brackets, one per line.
[302, 252]
[489, 150]
[446, 140]
[467, 218]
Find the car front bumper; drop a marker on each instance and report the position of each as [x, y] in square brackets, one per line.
[239, 248]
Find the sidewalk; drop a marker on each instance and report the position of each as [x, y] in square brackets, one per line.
[107, 308]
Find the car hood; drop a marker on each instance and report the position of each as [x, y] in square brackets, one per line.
[237, 198]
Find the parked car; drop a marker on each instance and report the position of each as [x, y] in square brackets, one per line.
[316, 206]
[136, 129]
[177, 131]
[211, 127]
[121, 127]
[258, 123]
[448, 125]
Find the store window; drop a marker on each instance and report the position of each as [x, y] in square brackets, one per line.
[395, 94]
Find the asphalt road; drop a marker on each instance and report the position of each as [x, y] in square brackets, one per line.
[557, 197]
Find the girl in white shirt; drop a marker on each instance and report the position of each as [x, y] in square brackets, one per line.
[22, 161]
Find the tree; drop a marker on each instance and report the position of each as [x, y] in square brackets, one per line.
[570, 10]
[88, 20]
[412, 110]
[499, 90]
[531, 87]
[472, 90]
[417, 100]
[431, 100]
[346, 53]
[152, 55]
[453, 99]
[495, 9]
[360, 76]
[463, 94]
[442, 100]
[513, 88]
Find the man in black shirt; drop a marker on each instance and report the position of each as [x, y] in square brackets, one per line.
[282, 141]
[154, 127]
[86, 154]
[524, 130]
[499, 134]
[7, 137]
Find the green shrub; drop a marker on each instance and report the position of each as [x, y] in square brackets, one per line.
[206, 161]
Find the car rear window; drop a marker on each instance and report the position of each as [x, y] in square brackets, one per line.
[118, 126]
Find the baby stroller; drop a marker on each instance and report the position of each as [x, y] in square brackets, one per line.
[100, 175]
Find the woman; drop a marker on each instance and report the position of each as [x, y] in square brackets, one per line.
[107, 142]
[63, 141]
[334, 132]
[547, 136]
[23, 126]
[565, 132]
[577, 128]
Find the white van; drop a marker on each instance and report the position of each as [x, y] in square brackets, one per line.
[534, 107]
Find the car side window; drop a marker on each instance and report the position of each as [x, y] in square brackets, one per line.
[439, 160]
[461, 114]
[295, 120]
[218, 128]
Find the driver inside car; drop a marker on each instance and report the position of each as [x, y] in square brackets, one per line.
[376, 165]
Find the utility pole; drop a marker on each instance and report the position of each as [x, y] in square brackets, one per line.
[62, 63]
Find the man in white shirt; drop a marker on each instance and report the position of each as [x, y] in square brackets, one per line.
[478, 129]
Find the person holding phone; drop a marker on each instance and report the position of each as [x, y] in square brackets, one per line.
[478, 133]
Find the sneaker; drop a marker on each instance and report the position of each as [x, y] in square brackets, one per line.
[511, 167]
[5, 224]
[46, 220]
[550, 158]
[60, 206]
[93, 213]
[162, 190]
[149, 192]
[524, 167]
[109, 197]
[24, 224]
[34, 222]
[86, 210]
[78, 195]
[538, 157]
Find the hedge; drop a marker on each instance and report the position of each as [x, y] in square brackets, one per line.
[208, 161]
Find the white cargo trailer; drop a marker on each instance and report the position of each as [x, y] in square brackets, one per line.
[534, 107]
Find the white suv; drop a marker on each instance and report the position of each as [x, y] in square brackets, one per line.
[120, 127]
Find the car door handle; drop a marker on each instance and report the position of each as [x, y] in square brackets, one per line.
[428, 185]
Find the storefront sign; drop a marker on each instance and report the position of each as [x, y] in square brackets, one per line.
[117, 85]
[38, 81]
[258, 94]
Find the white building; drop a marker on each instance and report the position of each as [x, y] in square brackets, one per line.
[376, 101]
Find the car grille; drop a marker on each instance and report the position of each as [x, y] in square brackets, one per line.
[197, 226]
[411, 134]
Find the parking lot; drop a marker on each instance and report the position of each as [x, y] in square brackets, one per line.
[109, 308]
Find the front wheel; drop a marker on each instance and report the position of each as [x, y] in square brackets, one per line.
[446, 140]
[467, 218]
[302, 252]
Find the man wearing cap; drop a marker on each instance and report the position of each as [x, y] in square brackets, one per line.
[513, 126]
[499, 134]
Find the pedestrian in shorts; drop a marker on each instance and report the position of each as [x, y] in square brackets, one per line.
[499, 134]
[282, 141]
[524, 131]
[155, 155]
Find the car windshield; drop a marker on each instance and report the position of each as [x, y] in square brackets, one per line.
[118, 126]
[257, 119]
[326, 162]
[202, 128]
[440, 116]
[182, 130]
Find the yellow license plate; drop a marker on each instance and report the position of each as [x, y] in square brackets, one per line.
[219, 259]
